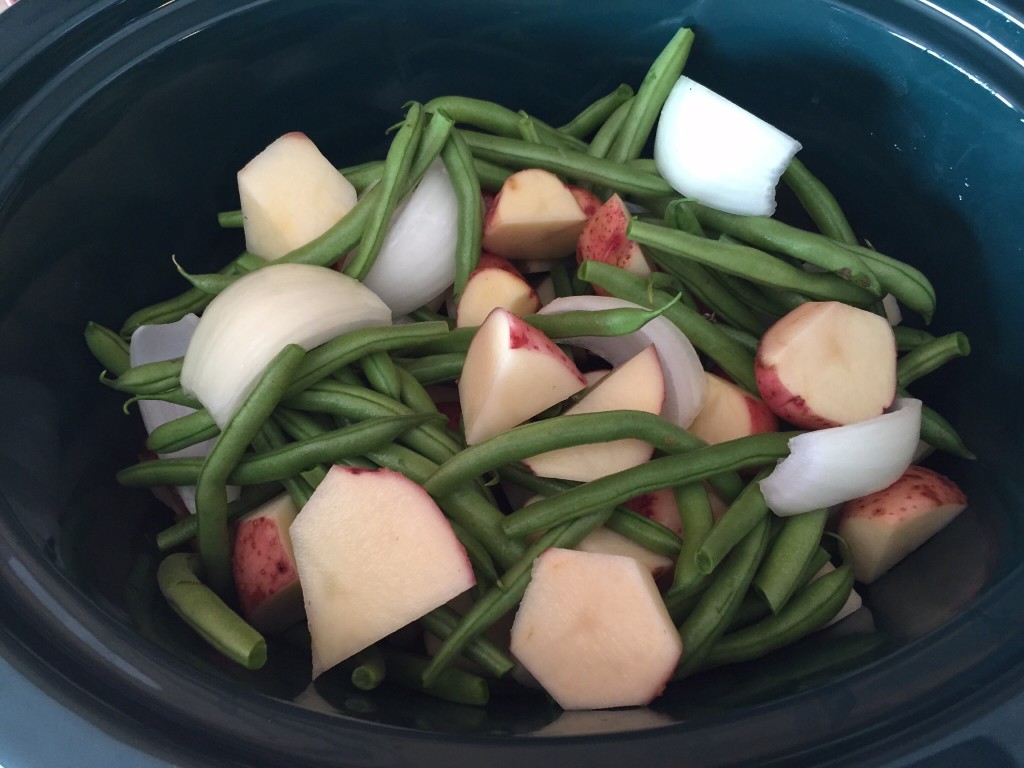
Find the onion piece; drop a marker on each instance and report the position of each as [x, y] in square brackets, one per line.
[708, 148]
[253, 319]
[830, 466]
[892, 309]
[686, 386]
[167, 341]
[416, 263]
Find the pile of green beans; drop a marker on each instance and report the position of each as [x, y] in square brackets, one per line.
[743, 583]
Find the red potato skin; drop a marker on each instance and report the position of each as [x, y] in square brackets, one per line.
[588, 202]
[659, 506]
[493, 261]
[783, 403]
[604, 235]
[265, 572]
[918, 489]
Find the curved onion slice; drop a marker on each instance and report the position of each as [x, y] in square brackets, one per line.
[830, 466]
[686, 386]
[253, 319]
[167, 341]
[417, 261]
[710, 149]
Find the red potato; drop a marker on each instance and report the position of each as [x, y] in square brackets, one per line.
[826, 364]
[290, 194]
[594, 632]
[374, 553]
[512, 372]
[636, 385]
[604, 239]
[494, 283]
[605, 541]
[884, 527]
[534, 216]
[263, 563]
[588, 202]
[730, 412]
[659, 506]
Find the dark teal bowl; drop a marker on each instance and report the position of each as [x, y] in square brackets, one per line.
[121, 127]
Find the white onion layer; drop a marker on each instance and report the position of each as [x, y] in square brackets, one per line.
[416, 263]
[259, 314]
[830, 466]
[686, 386]
[712, 150]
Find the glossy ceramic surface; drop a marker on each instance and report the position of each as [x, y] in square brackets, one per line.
[121, 127]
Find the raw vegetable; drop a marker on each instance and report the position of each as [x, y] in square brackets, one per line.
[409, 490]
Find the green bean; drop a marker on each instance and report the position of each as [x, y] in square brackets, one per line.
[663, 472]
[818, 202]
[528, 131]
[201, 609]
[211, 482]
[109, 349]
[746, 341]
[426, 315]
[491, 176]
[479, 557]
[758, 297]
[359, 403]
[742, 516]
[711, 292]
[650, 97]
[773, 235]
[335, 354]
[754, 608]
[679, 214]
[434, 369]
[808, 610]
[442, 621]
[595, 114]
[749, 263]
[707, 337]
[459, 163]
[184, 530]
[464, 505]
[212, 284]
[271, 437]
[494, 118]
[230, 219]
[907, 284]
[602, 142]
[562, 325]
[183, 432]
[908, 338]
[414, 395]
[940, 434]
[508, 591]
[574, 164]
[623, 520]
[555, 433]
[926, 358]
[406, 669]
[177, 396]
[148, 378]
[717, 606]
[795, 546]
[697, 520]
[370, 669]
[381, 372]
[173, 309]
[397, 165]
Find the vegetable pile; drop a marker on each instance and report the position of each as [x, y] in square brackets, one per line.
[586, 418]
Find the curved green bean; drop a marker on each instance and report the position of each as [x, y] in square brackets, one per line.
[697, 520]
[183, 432]
[211, 501]
[908, 338]
[148, 378]
[206, 613]
[930, 355]
[706, 336]
[796, 544]
[382, 374]
[663, 472]
[434, 369]
[184, 530]
[452, 684]
[818, 202]
[595, 114]
[576, 165]
[714, 611]
[742, 516]
[442, 621]
[109, 349]
[907, 284]
[602, 142]
[459, 162]
[496, 118]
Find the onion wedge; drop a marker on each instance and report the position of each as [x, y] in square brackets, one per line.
[710, 149]
[416, 263]
[830, 466]
[686, 386]
[258, 315]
